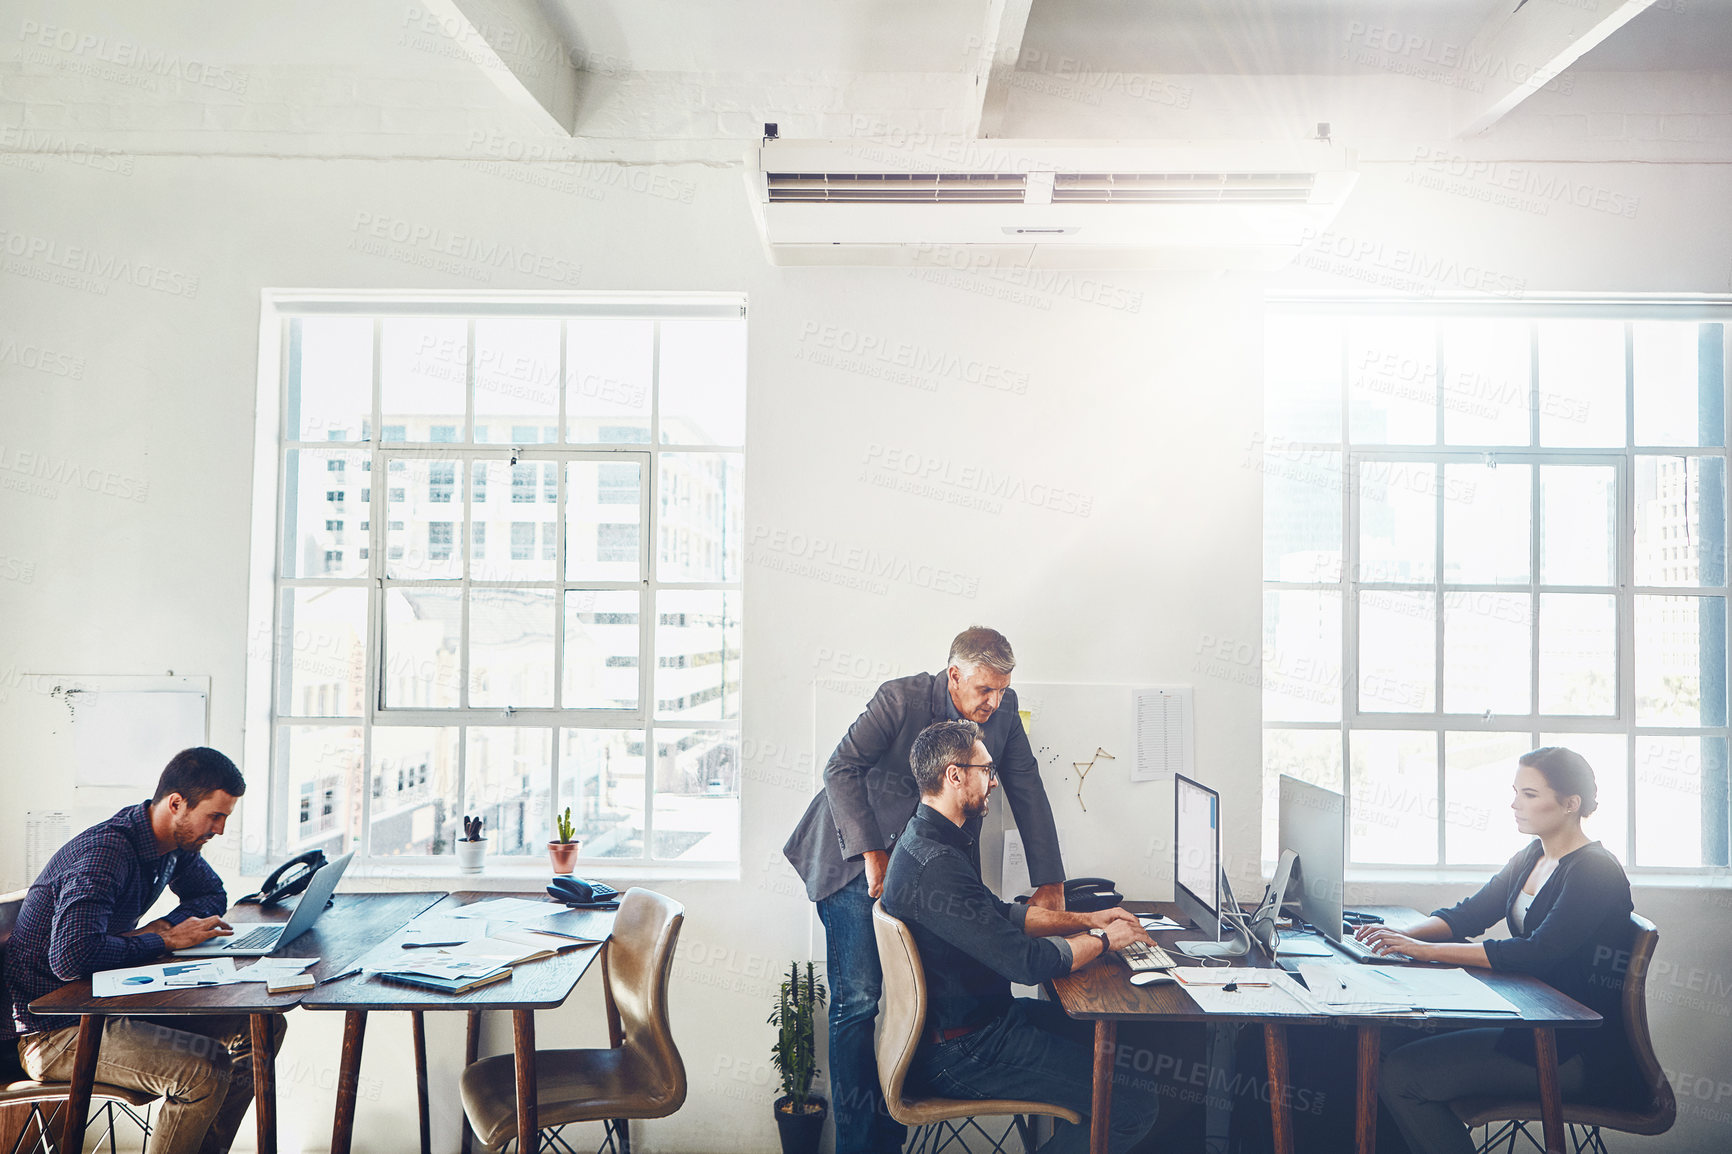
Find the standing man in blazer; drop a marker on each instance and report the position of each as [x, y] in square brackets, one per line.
[841, 848]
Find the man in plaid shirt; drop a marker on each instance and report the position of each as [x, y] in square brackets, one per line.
[82, 915]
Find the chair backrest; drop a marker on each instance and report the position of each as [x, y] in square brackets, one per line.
[1661, 1103]
[10, 904]
[640, 958]
[904, 1012]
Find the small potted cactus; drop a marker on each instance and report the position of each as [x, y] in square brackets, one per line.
[563, 852]
[472, 846]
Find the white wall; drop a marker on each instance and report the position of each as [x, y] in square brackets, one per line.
[1150, 412]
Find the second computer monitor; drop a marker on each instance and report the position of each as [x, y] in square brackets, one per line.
[1197, 853]
[1314, 826]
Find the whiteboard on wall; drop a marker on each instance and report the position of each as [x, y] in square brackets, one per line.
[107, 739]
[123, 737]
[1108, 766]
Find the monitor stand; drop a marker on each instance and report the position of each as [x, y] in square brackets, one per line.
[1236, 944]
[1236, 941]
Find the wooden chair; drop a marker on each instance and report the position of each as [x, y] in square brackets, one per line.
[1655, 1107]
[936, 1122]
[640, 1075]
[34, 1106]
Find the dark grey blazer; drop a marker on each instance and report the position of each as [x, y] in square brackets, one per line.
[869, 792]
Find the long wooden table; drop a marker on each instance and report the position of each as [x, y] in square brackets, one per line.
[352, 926]
[1103, 994]
[538, 985]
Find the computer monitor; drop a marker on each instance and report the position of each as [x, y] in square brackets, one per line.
[1197, 854]
[1313, 824]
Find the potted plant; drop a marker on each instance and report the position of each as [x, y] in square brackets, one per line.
[799, 1112]
[472, 846]
[563, 852]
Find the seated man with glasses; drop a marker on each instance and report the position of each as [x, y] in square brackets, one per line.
[979, 1041]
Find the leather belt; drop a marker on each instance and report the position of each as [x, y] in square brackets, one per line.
[939, 1037]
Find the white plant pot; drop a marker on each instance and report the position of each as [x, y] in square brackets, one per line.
[470, 855]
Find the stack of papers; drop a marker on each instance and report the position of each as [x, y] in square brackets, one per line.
[1279, 997]
[450, 975]
[1347, 989]
[508, 910]
[1353, 989]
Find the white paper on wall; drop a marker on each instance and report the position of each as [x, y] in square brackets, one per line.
[45, 831]
[1014, 879]
[1163, 734]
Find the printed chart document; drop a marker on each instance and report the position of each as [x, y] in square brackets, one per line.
[162, 976]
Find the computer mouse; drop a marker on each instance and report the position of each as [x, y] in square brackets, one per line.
[1150, 977]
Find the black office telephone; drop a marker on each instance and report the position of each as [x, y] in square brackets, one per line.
[288, 879]
[581, 895]
[1086, 895]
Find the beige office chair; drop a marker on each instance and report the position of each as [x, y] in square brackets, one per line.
[1656, 1108]
[38, 1126]
[936, 1122]
[639, 1076]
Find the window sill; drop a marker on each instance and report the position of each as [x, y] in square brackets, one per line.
[389, 875]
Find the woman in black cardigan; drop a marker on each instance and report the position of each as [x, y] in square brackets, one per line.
[1567, 903]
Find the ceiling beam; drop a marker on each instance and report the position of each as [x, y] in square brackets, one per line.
[994, 64]
[1524, 46]
[520, 50]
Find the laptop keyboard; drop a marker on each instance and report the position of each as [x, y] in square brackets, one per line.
[262, 936]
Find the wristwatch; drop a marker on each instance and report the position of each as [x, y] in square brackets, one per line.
[1101, 935]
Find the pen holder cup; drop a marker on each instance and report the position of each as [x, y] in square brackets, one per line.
[470, 855]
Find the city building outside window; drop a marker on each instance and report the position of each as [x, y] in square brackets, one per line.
[1487, 530]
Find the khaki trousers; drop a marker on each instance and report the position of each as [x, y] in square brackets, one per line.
[202, 1067]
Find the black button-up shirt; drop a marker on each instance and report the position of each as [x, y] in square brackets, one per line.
[971, 944]
[89, 895]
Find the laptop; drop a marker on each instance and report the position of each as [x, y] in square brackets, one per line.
[262, 940]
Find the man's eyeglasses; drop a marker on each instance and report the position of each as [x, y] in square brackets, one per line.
[991, 767]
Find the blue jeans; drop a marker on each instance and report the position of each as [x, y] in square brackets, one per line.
[1036, 1052]
[863, 1125]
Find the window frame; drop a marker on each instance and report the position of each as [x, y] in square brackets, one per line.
[1623, 588]
[267, 828]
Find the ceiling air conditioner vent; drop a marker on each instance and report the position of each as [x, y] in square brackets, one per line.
[1183, 188]
[896, 187]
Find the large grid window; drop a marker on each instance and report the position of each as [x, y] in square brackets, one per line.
[1486, 532]
[508, 579]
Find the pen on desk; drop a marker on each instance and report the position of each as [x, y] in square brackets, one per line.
[428, 945]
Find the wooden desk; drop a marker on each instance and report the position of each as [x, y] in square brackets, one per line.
[1103, 994]
[538, 985]
[351, 927]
